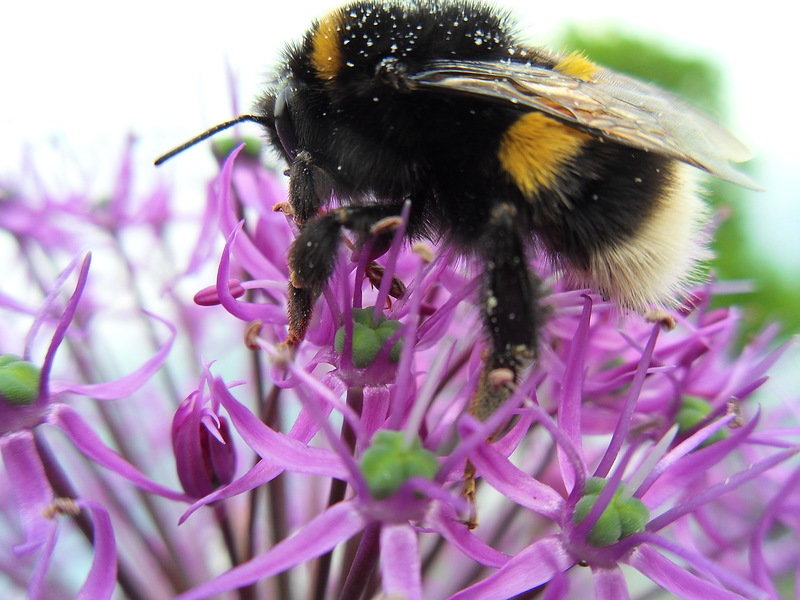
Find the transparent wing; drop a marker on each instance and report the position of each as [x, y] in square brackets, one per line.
[611, 105]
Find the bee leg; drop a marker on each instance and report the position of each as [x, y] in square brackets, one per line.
[313, 255]
[309, 188]
[512, 318]
[311, 260]
[511, 312]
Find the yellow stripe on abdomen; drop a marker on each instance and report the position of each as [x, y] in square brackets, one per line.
[535, 149]
[326, 46]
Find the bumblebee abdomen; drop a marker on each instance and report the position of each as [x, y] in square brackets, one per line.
[625, 221]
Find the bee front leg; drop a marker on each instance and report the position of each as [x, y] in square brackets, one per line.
[309, 188]
[312, 258]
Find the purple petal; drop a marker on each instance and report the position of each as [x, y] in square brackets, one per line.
[758, 566]
[535, 565]
[624, 419]
[92, 446]
[698, 563]
[391, 260]
[124, 386]
[609, 584]
[119, 205]
[709, 494]
[37, 582]
[260, 473]
[558, 588]
[10, 303]
[102, 578]
[334, 526]
[63, 324]
[400, 562]
[676, 579]
[507, 444]
[680, 465]
[515, 484]
[570, 396]
[53, 298]
[247, 311]
[203, 247]
[248, 255]
[31, 488]
[446, 522]
[278, 448]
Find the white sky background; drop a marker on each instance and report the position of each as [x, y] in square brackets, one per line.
[82, 74]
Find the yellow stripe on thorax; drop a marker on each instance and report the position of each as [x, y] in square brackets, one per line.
[535, 149]
[577, 65]
[326, 48]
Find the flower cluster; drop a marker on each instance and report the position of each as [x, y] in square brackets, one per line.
[629, 457]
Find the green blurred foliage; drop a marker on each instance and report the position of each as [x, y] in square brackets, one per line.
[776, 296]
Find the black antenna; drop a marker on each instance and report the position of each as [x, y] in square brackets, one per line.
[207, 134]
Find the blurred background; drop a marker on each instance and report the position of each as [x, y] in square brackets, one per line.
[80, 76]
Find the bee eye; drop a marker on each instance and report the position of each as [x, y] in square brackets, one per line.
[283, 120]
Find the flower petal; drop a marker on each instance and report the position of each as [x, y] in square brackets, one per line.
[531, 567]
[247, 311]
[516, 485]
[124, 386]
[88, 442]
[609, 584]
[278, 448]
[31, 489]
[63, 325]
[676, 579]
[260, 473]
[334, 526]
[102, 578]
[447, 523]
[400, 562]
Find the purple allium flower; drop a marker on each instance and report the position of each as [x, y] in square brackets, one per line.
[628, 459]
[602, 378]
[25, 454]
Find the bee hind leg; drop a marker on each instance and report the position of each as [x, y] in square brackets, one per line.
[512, 318]
[511, 312]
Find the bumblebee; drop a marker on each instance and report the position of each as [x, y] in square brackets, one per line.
[501, 148]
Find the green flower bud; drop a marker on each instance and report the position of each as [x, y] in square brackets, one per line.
[594, 485]
[633, 515]
[694, 410]
[607, 530]
[387, 464]
[366, 316]
[223, 146]
[369, 336]
[386, 330]
[19, 380]
[366, 344]
[622, 517]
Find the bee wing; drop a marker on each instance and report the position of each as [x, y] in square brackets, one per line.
[611, 105]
